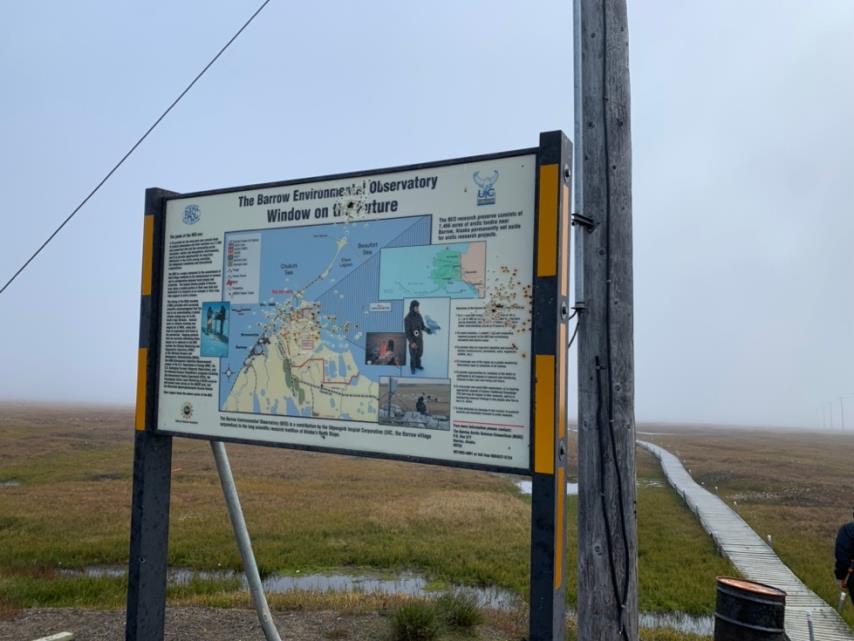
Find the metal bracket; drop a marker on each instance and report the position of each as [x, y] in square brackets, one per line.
[583, 221]
[588, 224]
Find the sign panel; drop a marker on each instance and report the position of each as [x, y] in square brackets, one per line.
[386, 313]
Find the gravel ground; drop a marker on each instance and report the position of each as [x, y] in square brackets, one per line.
[194, 624]
[209, 624]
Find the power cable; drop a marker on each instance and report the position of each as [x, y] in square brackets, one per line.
[132, 149]
[620, 598]
[574, 334]
[612, 564]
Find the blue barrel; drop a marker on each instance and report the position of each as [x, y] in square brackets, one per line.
[749, 611]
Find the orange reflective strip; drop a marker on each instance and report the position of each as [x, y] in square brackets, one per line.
[561, 388]
[544, 415]
[141, 375]
[547, 221]
[564, 241]
[147, 247]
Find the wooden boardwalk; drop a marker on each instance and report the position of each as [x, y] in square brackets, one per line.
[753, 557]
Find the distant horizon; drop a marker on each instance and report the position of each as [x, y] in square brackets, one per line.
[642, 425]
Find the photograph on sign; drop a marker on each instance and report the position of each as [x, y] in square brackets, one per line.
[385, 348]
[385, 314]
[214, 329]
[415, 402]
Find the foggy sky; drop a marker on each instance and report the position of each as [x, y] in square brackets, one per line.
[742, 153]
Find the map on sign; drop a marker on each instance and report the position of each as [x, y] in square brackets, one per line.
[301, 300]
[456, 270]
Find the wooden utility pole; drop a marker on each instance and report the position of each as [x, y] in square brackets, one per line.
[607, 523]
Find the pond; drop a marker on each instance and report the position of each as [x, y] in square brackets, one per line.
[408, 583]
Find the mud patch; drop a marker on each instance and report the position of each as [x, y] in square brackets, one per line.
[112, 476]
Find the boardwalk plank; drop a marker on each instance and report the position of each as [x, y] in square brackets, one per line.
[752, 555]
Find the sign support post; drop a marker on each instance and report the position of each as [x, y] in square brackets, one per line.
[549, 460]
[152, 458]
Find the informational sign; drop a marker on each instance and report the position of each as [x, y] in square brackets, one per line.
[386, 313]
[418, 313]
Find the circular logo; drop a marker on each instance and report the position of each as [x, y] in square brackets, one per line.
[187, 410]
[191, 214]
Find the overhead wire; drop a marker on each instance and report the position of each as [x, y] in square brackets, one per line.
[135, 145]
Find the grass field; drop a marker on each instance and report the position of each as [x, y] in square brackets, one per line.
[306, 512]
[798, 487]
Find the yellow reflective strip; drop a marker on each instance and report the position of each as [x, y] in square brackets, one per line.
[547, 222]
[141, 376]
[147, 247]
[544, 415]
[561, 388]
[564, 241]
[560, 517]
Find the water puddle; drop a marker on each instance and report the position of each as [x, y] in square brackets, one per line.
[525, 488]
[679, 621]
[407, 583]
[10, 483]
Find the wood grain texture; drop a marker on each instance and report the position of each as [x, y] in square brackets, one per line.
[607, 552]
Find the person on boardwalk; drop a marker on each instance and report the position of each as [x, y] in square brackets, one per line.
[845, 557]
[210, 320]
[414, 326]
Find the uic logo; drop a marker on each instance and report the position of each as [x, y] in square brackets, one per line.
[486, 184]
[191, 214]
[187, 410]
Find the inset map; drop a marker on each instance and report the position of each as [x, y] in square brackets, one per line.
[456, 270]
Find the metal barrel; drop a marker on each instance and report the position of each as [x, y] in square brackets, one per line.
[749, 611]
